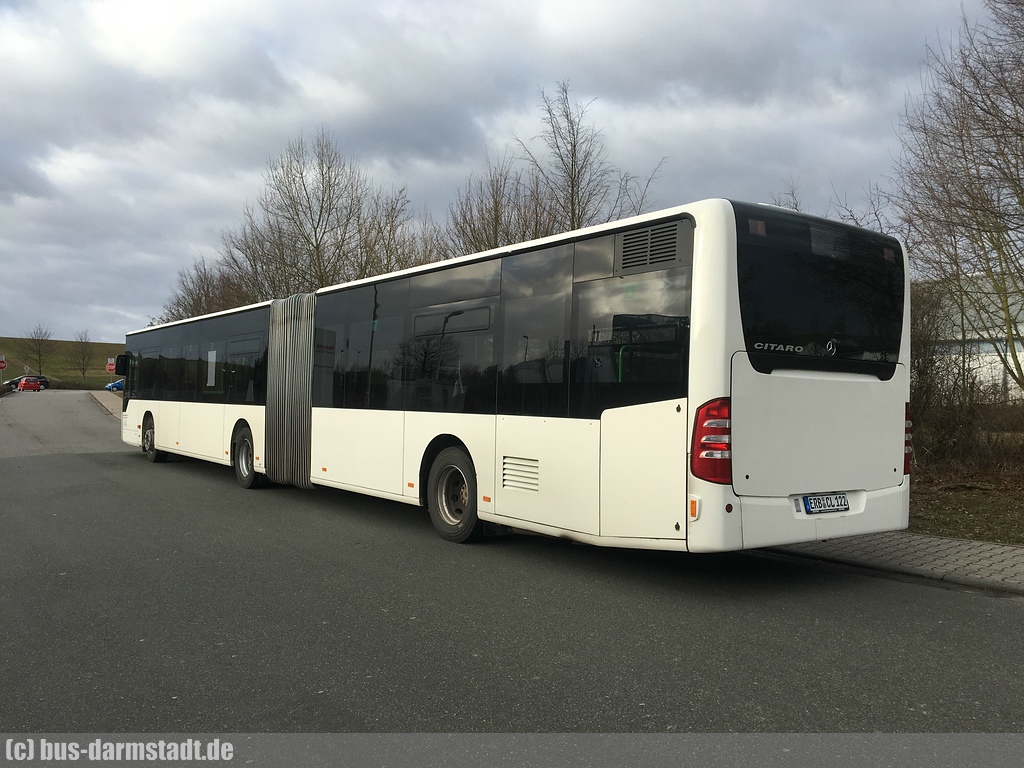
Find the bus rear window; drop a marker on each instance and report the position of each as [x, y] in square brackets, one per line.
[818, 295]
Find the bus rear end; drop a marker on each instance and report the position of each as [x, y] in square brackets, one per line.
[800, 430]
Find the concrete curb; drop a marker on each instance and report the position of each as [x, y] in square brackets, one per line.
[110, 402]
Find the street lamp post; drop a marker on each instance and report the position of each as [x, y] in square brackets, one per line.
[440, 349]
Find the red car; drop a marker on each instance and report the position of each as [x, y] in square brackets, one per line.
[30, 384]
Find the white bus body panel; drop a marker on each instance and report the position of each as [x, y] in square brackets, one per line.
[643, 471]
[358, 449]
[475, 431]
[203, 423]
[719, 523]
[810, 432]
[198, 430]
[548, 473]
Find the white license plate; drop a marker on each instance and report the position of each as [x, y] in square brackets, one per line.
[826, 502]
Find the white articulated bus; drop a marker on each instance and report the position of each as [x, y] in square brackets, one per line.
[716, 376]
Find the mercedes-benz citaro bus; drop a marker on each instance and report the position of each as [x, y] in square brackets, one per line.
[711, 377]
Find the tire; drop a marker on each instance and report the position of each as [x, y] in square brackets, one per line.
[149, 442]
[451, 496]
[245, 471]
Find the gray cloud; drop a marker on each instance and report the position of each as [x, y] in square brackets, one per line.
[133, 134]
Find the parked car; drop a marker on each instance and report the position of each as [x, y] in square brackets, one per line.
[30, 384]
[44, 383]
[115, 386]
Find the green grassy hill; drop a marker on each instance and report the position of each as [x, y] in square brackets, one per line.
[58, 366]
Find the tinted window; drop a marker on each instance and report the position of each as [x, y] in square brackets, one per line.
[149, 373]
[448, 358]
[535, 300]
[594, 258]
[245, 369]
[358, 347]
[630, 341]
[171, 364]
[473, 318]
[232, 361]
[469, 281]
[817, 294]
[217, 360]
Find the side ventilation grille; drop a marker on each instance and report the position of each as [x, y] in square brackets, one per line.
[523, 474]
[657, 247]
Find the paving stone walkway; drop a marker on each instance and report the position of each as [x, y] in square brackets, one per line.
[957, 561]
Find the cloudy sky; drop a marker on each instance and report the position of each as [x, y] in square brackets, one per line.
[133, 132]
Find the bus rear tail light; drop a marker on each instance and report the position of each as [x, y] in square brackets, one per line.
[908, 449]
[711, 450]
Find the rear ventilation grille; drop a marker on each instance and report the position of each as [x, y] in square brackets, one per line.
[523, 474]
[656, 247]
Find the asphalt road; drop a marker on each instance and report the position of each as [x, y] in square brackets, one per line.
[162, 598]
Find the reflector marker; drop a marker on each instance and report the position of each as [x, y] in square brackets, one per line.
[694, 508]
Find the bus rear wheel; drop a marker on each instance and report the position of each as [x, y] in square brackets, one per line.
[245, 470]
[451, 496]
[149, 442]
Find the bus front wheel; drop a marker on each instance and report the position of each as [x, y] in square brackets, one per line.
[451, 496]
[149, 442]
[245, 471]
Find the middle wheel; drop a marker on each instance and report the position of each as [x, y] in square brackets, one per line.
[451, 496]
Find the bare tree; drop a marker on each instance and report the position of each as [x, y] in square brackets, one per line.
[320, 220]
[567, 184]
[960, 178]
[504, 205]
[81, 353]
[305, 229]
[392, 238]
[789, 197]
[202, 288]
[580, 184]
[38, 345]
[944, 390]
[873, 211]
[876, 211]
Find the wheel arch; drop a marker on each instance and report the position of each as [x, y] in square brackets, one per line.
[434, 447]
[240, 424]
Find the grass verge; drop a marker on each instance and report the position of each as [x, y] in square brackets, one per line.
[58, 366]
[968, 505]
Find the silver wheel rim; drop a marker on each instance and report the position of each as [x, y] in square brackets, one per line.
[244, 458]
[452, 496]
[147, 439]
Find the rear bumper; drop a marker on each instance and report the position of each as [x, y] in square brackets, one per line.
[768, 522]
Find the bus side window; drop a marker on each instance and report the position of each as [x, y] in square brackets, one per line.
[535, 301]
[630, 341]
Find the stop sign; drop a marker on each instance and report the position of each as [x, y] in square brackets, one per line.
[3, 364]
[110, 367]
